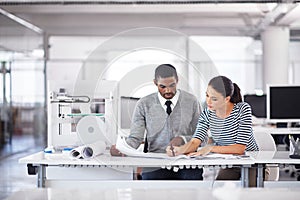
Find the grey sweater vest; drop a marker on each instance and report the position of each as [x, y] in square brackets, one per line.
[160, 127]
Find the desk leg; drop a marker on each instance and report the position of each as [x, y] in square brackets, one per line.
[260, 178]
[41, 176]
[245, 176]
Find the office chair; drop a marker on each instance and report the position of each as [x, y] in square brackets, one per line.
[294, 170]
[266, 142]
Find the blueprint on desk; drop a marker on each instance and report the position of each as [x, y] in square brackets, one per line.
[123, 147]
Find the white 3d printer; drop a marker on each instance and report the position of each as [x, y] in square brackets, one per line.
[70, 104]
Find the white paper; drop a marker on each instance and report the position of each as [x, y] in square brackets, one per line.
[88, 151]
[94, 149]
[124, 148]
[220, 155]
[77, 152]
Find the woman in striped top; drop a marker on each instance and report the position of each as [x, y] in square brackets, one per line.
[230, 122]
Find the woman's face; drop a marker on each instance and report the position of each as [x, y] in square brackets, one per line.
[215, 100]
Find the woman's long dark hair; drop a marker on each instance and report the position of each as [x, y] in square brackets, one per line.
[224, 86]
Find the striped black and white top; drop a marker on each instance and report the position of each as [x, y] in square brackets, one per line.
[234, 129]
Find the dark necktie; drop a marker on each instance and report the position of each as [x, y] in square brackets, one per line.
[169, 110]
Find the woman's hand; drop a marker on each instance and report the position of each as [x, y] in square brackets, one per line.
[202, 152]
[191, 146]
[176, 150]
[173, 148]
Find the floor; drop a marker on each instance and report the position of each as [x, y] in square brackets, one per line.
[14, 175]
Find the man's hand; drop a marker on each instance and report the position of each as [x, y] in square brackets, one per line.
[115, 152]
[177, 141]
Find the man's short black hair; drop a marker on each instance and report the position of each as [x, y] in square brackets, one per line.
[165, 71]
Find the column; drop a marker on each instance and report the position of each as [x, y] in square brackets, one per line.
[275, 41]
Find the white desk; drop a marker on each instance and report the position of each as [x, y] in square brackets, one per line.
[292, 131]
[130, 193]
[271, 157]
[276, 131]
[57, 170]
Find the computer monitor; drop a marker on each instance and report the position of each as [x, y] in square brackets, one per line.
[258, 104]
[283, 103]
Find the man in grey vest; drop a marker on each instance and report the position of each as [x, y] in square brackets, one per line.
[168, 116]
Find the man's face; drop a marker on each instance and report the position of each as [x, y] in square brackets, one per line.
[166, 87]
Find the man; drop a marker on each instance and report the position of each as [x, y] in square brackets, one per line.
[168, 117]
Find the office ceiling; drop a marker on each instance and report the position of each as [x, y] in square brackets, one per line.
[106, 18]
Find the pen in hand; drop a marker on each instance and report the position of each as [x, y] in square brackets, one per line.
[172, 149]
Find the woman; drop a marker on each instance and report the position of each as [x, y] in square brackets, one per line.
[229, 121]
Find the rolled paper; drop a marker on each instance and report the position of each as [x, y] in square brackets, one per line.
[88, 151]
